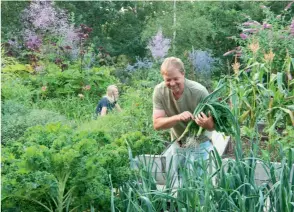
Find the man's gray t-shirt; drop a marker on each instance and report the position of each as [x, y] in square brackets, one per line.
[163, 99]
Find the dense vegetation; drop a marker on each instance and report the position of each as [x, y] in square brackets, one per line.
[58, 59]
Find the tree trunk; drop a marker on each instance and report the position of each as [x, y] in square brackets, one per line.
[174, 26]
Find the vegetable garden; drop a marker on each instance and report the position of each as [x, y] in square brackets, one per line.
[57, 59]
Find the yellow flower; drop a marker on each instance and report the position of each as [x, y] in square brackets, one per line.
[269, 57]
[29, 68]
[254, 46]
[236, 66]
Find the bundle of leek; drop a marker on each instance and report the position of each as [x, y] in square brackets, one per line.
[224, 120]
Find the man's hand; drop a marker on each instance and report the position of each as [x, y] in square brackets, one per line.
[160, 121]
[185, 116]
[204, 121]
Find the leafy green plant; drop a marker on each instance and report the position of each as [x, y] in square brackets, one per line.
[58, 169]
[262, 75]
[13, 88]
[92, 82]
[73, 107]
[17, 118]
[140, 144]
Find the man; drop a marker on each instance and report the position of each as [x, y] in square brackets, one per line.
[174, 101]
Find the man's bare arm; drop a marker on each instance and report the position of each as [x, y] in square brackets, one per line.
[160, 121]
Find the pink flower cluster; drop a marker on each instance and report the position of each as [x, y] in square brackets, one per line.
[42, 17]
[44, 88]
[237, 52]
[33, 42]
[252, 27]
[292, 28]
[87, 87]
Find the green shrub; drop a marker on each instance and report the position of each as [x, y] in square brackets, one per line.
[72, 82]
[16, 119]
[52, 160]
[10, 65]
[141, 144]
[72, 107]
[12, 88]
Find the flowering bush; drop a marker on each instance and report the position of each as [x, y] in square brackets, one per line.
[159, 46]
[274, 34]
[262, 77]
[72, 82]
[41, 17]
[202, 63]
[139, 64]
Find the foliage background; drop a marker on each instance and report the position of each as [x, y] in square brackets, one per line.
[54, 151]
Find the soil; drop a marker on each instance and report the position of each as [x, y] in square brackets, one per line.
[246, 146]
[246, 143]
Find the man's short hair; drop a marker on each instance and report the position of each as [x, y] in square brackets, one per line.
[172, 63]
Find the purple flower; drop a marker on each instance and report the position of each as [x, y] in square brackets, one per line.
[229, 52]
[159, 46]
[33, 42]
[250, 30]
[43, 17]
[140, 64]
[12, 42]
[63, 67]
[70, 35]
[251, 23]
[292, 28]
[289, 5]
[266, 26]
[202, 61]
[243, 36]
[58, 61]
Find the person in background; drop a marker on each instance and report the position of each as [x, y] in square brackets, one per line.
[108, 102]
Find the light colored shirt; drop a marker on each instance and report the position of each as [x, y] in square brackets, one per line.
[163, 99]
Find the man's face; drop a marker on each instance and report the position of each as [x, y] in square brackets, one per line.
[174, 80]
